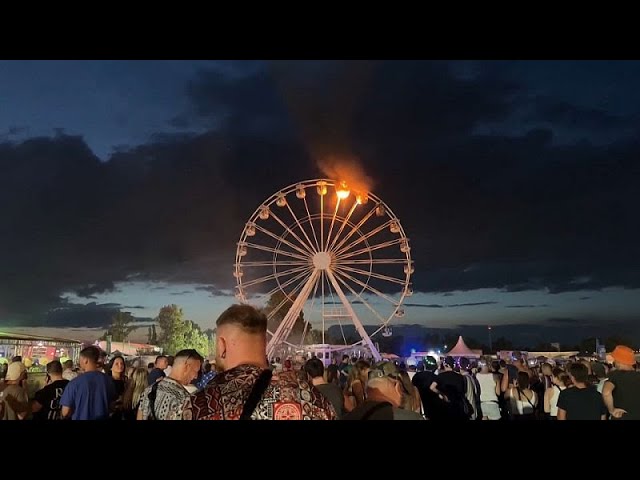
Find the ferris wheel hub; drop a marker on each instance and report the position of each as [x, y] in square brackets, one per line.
[322, 260]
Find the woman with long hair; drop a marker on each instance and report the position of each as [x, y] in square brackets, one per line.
[332, 374]
[355, 393]
[133, 394]
[560, 381]
[411, 395]
[523, 399]
[116, 369]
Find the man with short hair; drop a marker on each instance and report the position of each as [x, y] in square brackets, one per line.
[621, 392]
[157, 373]
[600, 372]
[315, 369]
[46, 404]
[167, 370]
[88, 396]
[582, 401]
[432, 406]
[385, 395]
[67, 372]
[163, 399]
[246, 387]
[452, 387]
[14, 396]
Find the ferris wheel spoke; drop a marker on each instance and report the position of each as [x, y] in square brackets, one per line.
[373, 274]
[283, 240]
[363, 238]
[322, 221]
[313, 229]
[308, 318]
[322, 277]
[304, 232]
[368, 287]
[344, 223]
[374, 261]
[282, 287]
[307, 246]
[284, 300]
[285, 263]
[364, 302]
[333, 220]
[277, 250]
[333, 304]
[275, 276]
[354, 229]
[371, 249]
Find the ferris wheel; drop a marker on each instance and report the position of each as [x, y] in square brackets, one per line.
[317, 250]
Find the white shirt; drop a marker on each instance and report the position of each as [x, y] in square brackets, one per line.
[487, 387]
[553, 402]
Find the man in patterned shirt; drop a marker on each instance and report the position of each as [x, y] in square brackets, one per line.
[241, 359]
[164, 399]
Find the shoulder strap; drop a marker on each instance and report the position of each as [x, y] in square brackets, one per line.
[152, 401]
[256, 393]
[527, 398]
[374, 409]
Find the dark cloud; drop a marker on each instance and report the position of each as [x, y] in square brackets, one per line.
[585, 298]
[526, 306]
[184, 292]
[523, 211]
[134, 307]
[90, 290]
[419, 305]
[562, 113]
[565, 321]
[475, 304]
[91, 315]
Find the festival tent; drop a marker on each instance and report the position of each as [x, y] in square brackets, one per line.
[461, 350]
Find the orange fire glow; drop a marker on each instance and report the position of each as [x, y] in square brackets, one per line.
[342, 190]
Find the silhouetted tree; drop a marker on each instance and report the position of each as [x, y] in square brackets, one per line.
[120, 327]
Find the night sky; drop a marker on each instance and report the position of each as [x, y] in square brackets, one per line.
[126, 184]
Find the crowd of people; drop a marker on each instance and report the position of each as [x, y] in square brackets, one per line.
[241, 384]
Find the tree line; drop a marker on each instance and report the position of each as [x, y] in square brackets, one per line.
[177, 333]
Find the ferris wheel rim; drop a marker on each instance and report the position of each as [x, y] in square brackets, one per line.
[310, 184]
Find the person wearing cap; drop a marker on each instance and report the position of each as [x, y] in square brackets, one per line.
[621, 392]
[385, 395]
[14, 396]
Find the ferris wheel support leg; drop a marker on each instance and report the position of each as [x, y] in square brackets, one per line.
[356, 321]
[284, 329]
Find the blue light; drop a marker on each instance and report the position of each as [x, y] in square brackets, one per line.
[413, 350]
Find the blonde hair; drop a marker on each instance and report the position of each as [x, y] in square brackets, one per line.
[135, 386]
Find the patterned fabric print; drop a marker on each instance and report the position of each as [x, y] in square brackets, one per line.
[286, 398]
[170, 397]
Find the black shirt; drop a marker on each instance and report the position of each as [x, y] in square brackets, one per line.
[155, 375]
[431, 403]
[333, 393]
[582, 403]
[451, 384]
[49, 398]
[626, 395]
